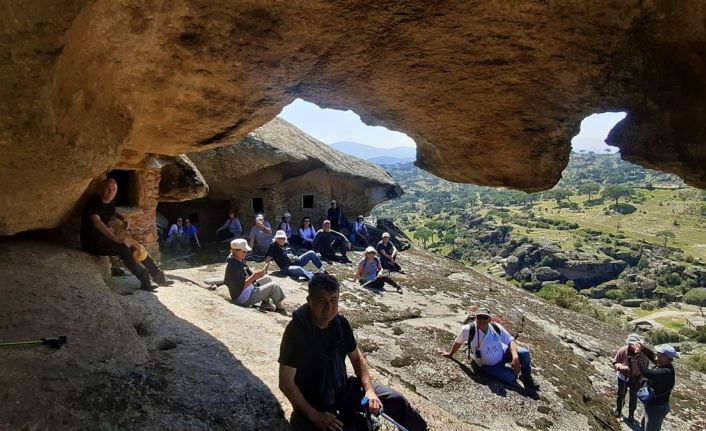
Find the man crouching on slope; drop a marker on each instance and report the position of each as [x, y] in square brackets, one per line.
[491, 347]
[312, 371]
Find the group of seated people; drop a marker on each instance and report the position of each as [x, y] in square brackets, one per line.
[182, 235]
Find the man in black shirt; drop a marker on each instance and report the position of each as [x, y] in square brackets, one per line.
[312, 372]
[97, 238]
[327, 241]
[294, 267]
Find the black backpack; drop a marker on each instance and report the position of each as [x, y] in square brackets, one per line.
[472, 333]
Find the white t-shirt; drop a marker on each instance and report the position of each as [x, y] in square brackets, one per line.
[492, 345]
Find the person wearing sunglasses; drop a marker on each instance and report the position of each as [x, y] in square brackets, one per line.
[307, 232]
[491, 347]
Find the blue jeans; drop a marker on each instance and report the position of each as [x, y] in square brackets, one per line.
[654, 416]
[297, 270]
[505, 374]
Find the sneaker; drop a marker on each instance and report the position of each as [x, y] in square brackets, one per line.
[266, 305]
[161, 279]
[617, 413]
[281, 311]
[147, 285]
[530, 384]
[399, 289]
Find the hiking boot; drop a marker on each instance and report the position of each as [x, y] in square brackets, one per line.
[399, 289]
[161, 280]
[147, 285]
[281, 311]
[530, 384]
[266, 305]
[617, 413]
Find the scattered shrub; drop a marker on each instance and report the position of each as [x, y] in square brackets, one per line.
[615, 294]
[647, 306]
[661, 336]
[697, 362]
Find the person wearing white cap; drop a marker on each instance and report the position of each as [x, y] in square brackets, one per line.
[388, 253]
[246, 287]
[260, 235]
[628, 375]
[292, 267]
[286, 225]
[660, 379]
[369, 272]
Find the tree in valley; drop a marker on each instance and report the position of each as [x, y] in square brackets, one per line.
[666, 235]
[616, 192]
[696, 297]
[423, 235]
[588, 189]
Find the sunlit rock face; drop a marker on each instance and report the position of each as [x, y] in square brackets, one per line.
[492, 93]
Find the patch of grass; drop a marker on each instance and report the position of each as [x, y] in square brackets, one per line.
[674, 323]
[696, 362]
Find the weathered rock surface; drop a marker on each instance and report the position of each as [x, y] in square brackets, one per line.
[220, 378]
[279, 163]
[180, 180]
[486, 90]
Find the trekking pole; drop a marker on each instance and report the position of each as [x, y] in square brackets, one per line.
[53, 342]
[380, 413]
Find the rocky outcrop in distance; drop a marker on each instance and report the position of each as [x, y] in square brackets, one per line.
[492, 94]
[278, 168]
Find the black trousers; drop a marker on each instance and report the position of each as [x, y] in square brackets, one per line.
[106, 247]
[633, 385]
[328, 251]
[379, 283]
[349, 411]
[389, 264]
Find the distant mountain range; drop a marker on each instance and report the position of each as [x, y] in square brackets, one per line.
[379, 156]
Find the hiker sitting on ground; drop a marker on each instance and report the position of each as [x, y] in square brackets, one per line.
[388, 253]
[294, 267]
[97, 238]
[369, 272]
[247, 288]
[285, 225]
[359, 235]
[327, 241]
[628, 375]
[306, 233]
[230, 229]
[260, 236]
[312, 371]
[175, 236]
[191, 234]
[491, 347]
[660, 379]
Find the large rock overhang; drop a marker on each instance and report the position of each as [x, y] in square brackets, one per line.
[492, 93]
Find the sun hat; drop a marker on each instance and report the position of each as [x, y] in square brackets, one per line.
[483, 312]
[240, 244]
[287, 215]
[386, 235]
[280, 234]
[634, 338]
[139, 252]
[667, 351]
[333, 201]
[371, 249]
[260, 217]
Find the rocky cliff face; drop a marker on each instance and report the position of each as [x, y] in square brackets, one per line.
[280, 164]
[491, 93]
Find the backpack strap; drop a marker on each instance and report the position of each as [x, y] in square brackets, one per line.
[472, 334]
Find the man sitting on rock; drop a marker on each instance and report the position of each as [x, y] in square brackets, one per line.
[230, 229]
[327, 241]
[294, 266]
[260, 236]
[491, 347]
[312, 371]
[97, 238]
[247, 288]
[388, 253]
[359, 233]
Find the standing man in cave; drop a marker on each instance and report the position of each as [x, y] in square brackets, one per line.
[97, 238]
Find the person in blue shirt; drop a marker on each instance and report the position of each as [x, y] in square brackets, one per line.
[191, 234]
[369, 272]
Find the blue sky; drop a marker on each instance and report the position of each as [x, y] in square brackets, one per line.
[329, 126]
